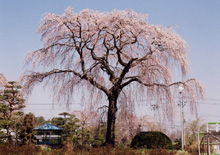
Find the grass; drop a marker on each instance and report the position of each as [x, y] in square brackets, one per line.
[70, 150]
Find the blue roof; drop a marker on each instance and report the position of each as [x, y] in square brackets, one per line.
[47, 126]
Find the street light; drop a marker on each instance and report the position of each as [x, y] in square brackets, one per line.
[182, 114]
[180, 89]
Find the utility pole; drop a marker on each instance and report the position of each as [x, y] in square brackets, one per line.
[183, 124]
[182, 114]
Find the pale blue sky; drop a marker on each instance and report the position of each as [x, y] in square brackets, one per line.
[198, 23]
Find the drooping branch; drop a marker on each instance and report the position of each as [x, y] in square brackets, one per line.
[3, 80]
[135, 79]
[39, 77]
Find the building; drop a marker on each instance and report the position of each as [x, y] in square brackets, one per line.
[49, 135]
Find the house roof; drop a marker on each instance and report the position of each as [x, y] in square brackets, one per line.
[47, 126]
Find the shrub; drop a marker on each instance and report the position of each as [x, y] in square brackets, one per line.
[18, 150]
[151, 140]
[177, 144]
[192, 149]
[161, 151]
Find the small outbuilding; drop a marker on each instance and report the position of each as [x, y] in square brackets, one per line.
[48, 134]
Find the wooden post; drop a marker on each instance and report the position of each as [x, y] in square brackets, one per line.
[207, 143]
[198, 144]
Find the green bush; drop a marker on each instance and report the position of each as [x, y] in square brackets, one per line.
[151, 140]
[177, 144]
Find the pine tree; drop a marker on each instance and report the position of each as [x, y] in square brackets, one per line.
[69, 123]
[39, 121]
[27, 133]
[11, 105]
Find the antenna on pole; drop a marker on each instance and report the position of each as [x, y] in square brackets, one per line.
[154, 107]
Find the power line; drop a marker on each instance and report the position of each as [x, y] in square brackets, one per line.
[209, 115]
[136, 101]
[48, 103]
[210, 103]
[213, 99]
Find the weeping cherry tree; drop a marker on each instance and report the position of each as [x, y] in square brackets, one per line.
[114, 53]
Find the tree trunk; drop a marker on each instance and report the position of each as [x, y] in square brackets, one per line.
[8, 134]
[110, 136]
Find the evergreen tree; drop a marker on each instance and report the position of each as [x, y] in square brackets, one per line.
[27, 134]
[39, 121]
[16, 126]
[11, 105]
[69, 123]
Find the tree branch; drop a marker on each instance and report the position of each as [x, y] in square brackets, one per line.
[125, 70]
[154, 84]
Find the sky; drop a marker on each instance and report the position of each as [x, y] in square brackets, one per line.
[197, 22]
